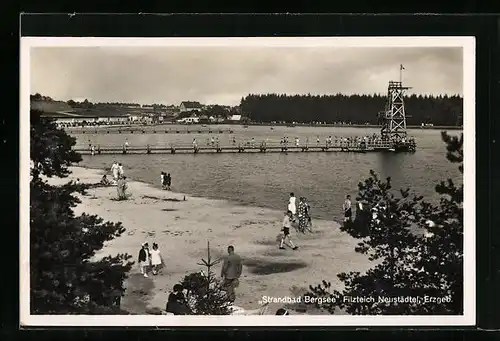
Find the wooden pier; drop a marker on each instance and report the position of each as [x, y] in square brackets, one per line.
[357, 147]
[148, 130]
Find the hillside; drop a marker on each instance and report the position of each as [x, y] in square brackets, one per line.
[51, 106]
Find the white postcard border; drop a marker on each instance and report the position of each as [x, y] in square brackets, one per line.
[469, 63]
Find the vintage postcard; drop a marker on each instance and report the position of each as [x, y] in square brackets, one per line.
[247, 181]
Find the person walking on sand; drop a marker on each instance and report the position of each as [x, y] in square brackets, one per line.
[231, 272]
[114, 171]
[308, 214]
[121, 188]
[287, 224]
[347, 208]
[302, 215]
[156, 259]
[120, 170]
[162, 180]
[143, 259]
[291, 205]
[169, 181]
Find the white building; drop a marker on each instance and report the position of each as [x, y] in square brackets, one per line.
[235, 118]
[90, 120]
[189, 120]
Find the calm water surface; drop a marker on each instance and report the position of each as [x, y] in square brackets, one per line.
[266, 180]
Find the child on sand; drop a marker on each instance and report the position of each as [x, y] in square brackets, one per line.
[286, 231]
[156, 259]
[176, 303]
[347, 209]
[143, 259]
[121, 188]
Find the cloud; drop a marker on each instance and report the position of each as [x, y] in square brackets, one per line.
[225, 74]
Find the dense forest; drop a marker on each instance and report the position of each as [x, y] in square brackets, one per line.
[354, 109]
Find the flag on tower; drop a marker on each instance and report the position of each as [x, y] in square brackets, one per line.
[401, 67]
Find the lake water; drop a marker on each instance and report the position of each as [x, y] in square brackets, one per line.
[266, 180]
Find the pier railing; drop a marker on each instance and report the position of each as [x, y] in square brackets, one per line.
[250, 146]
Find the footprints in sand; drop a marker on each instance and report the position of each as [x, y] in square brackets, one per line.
[177, 233]
[259, 223]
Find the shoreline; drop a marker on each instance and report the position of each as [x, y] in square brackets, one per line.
[139, 127]
[227, 201]
[182, 229]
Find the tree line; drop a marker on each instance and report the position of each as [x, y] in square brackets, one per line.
[355, 109]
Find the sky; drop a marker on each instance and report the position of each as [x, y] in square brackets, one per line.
[224, 74]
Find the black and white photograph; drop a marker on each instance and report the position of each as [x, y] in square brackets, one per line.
[225, 181]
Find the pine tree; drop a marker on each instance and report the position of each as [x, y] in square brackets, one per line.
[205, 294]
[415, 272]
[64, 276]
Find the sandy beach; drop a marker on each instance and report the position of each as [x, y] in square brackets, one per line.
[182, 228]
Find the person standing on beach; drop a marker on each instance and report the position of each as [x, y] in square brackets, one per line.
[317, 140]
[120, 170]
[114, 171]
[121, 188]
[143, 259]
[297, 142]
[156, 259]
[231, 272]
[291, 205]
[163, 180]
[287, 224]
[347, 208]
[169, 181]
[301, 211]
[308, 214]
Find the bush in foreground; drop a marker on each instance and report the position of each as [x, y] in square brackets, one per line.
[416, 273]
[64, 277]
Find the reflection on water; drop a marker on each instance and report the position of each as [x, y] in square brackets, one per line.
[267, 179]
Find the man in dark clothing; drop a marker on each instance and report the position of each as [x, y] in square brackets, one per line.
[282, 311]
[231, 271]
[169, 181]
[176, 303]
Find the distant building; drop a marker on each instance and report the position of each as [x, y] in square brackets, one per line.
[190, 106]
[189, 120]
[235, 118]
[63, 119]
